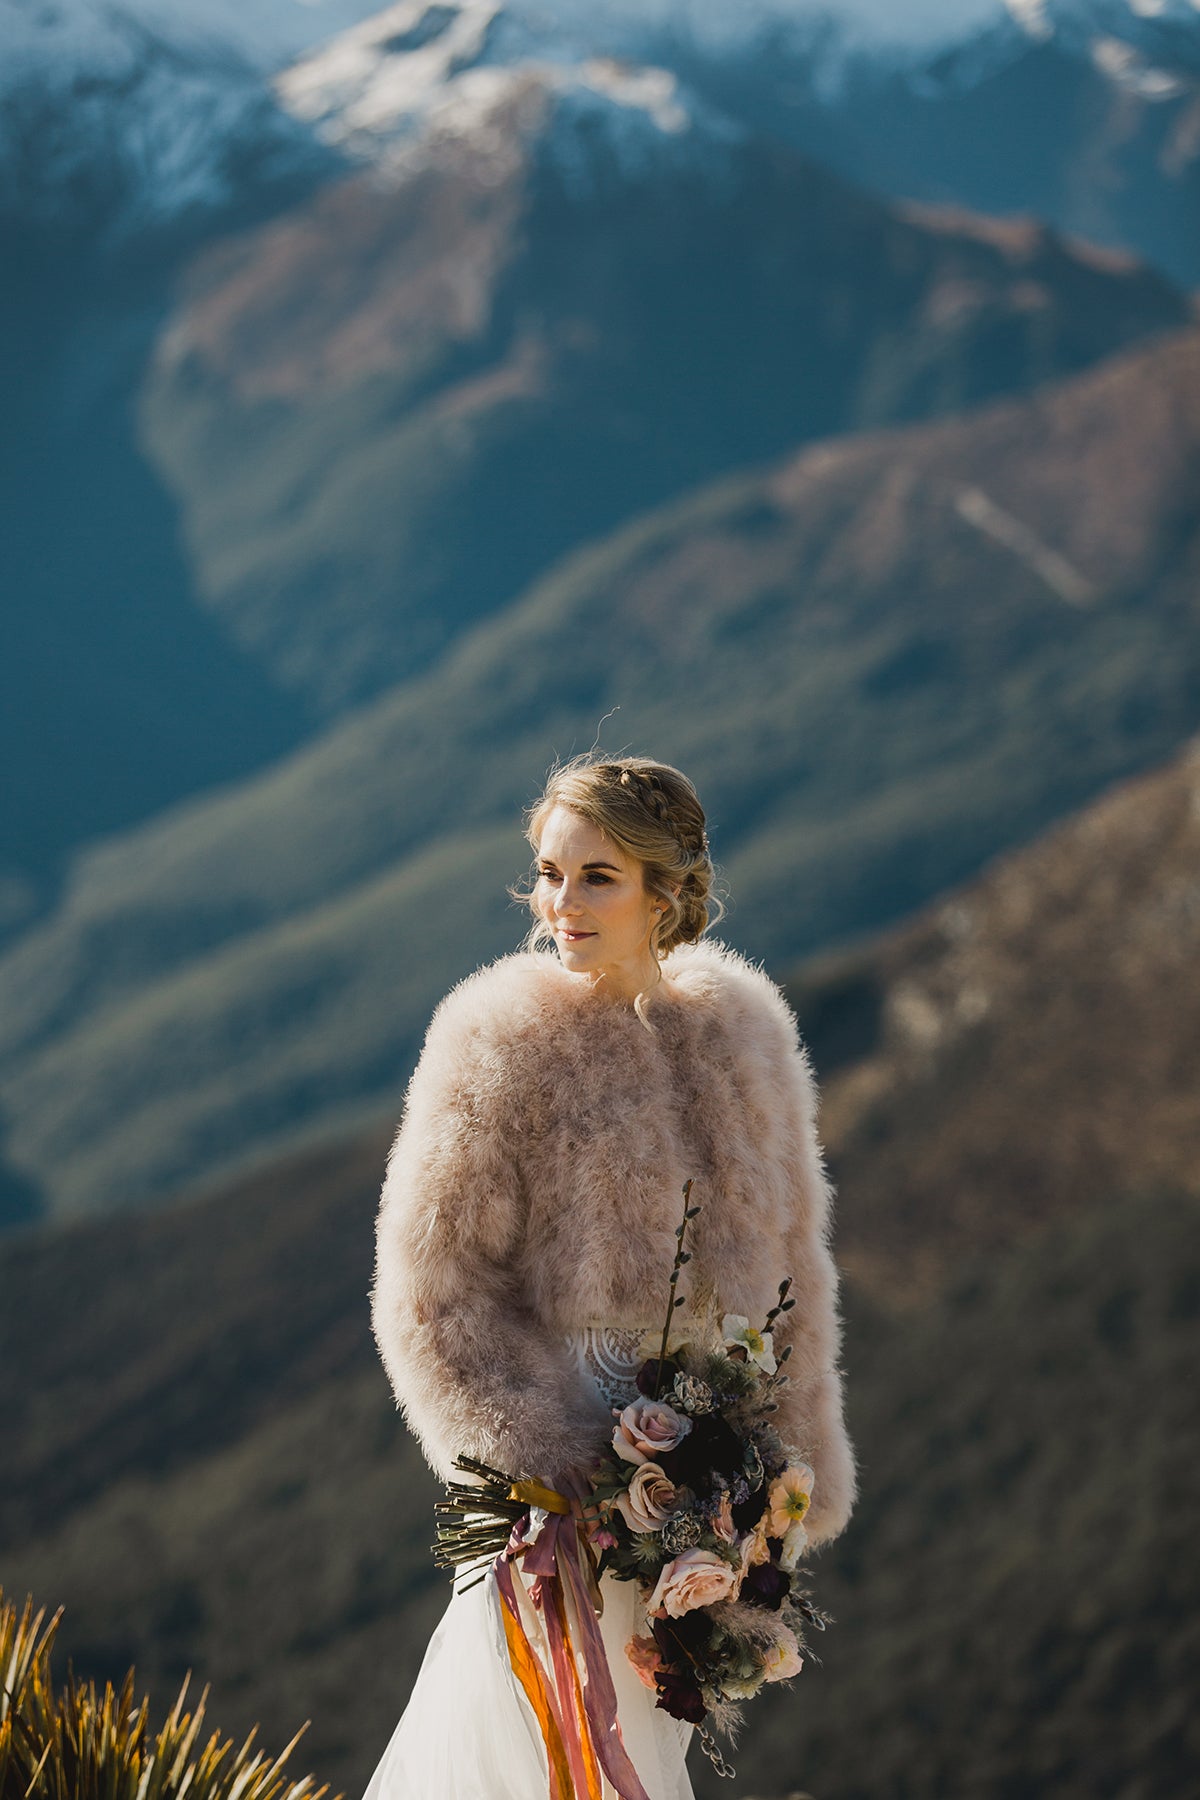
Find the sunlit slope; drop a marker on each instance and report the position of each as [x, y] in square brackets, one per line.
[1030, 1040]
[388, 411]
[883, 660]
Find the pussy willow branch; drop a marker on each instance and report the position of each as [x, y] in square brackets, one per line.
[782, 1305]
[681, 1256]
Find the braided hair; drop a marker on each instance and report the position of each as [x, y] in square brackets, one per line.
[652, 812]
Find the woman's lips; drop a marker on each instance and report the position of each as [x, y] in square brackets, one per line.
[576, 937]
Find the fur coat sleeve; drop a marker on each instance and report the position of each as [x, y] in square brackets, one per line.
[471, 1364]
[811, 1406]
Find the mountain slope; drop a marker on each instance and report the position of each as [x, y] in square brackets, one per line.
[1029, 1041]
[1081, 112]
[972, 627]
[387, 412]
[199, 1387]
[1013, 1598]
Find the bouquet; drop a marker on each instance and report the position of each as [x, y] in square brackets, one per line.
[697, 1498]
[700, 1501]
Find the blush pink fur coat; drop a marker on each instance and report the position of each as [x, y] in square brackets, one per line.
[535, 1184]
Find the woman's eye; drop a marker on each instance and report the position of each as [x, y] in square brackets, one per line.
[594, 875]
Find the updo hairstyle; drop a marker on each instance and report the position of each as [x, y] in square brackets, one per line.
[651, 812]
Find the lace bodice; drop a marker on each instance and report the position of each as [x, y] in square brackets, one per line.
[611, 1355]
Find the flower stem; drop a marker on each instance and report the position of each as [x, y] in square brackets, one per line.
[681, 1256]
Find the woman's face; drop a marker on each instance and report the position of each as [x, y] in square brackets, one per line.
[594, 899]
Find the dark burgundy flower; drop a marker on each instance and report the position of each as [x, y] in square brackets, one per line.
[679, 1696]
[685, 1638]
[765, 1585]
[747, 1512]
[710, 1446]
[647, 1377]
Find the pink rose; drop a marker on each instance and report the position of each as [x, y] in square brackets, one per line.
[695, 1578]
[644, 1655]
[783, 1658]
[648, 1428]
[648, 1500]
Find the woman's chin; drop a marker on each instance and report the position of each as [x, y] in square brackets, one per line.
[575, 956]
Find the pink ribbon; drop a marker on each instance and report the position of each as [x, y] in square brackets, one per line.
[555, 1560]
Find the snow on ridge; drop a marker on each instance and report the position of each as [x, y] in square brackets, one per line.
[417, 75]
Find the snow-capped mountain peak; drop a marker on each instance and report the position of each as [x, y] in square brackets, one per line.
[421, 73]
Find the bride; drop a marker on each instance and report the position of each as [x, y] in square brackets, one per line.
[526, 1232]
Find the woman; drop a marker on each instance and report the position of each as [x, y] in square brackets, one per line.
[527, 1228]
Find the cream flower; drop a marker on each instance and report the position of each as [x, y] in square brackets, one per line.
[648, 1500]
[795, 1543]
[648, 1428]
[738, 1333]
[732, 1689]
[788, 1499]
[695, 1578]
[783, 1658]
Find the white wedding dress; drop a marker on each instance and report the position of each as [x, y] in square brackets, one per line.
[468, 1731]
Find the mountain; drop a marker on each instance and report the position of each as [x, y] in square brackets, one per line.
[128, 135]
[207, 1469]
[1079, 112]
[572, 294]
[132, 122]
[971, 626]
[562, 286]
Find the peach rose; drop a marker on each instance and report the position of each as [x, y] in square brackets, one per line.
[783, 1659]
[754, 1547]
[723, 1525]
[644, 1655]
[648, 1428]
[649, 1499]
[695, 1578]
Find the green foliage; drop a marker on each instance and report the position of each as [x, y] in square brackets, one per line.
[78, 1745]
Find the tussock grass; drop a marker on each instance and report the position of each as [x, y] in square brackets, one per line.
[76, 1744]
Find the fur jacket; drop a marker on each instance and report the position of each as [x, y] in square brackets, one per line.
[535, 1185]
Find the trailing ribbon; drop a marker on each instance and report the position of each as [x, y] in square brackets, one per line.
[574, 1700]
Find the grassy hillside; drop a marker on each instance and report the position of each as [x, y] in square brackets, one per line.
[971, 626]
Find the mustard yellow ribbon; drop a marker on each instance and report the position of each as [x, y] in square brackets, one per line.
[534, 1494]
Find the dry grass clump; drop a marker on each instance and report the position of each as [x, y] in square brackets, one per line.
[77, 1745]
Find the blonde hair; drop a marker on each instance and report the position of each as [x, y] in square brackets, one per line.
[652, 813]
